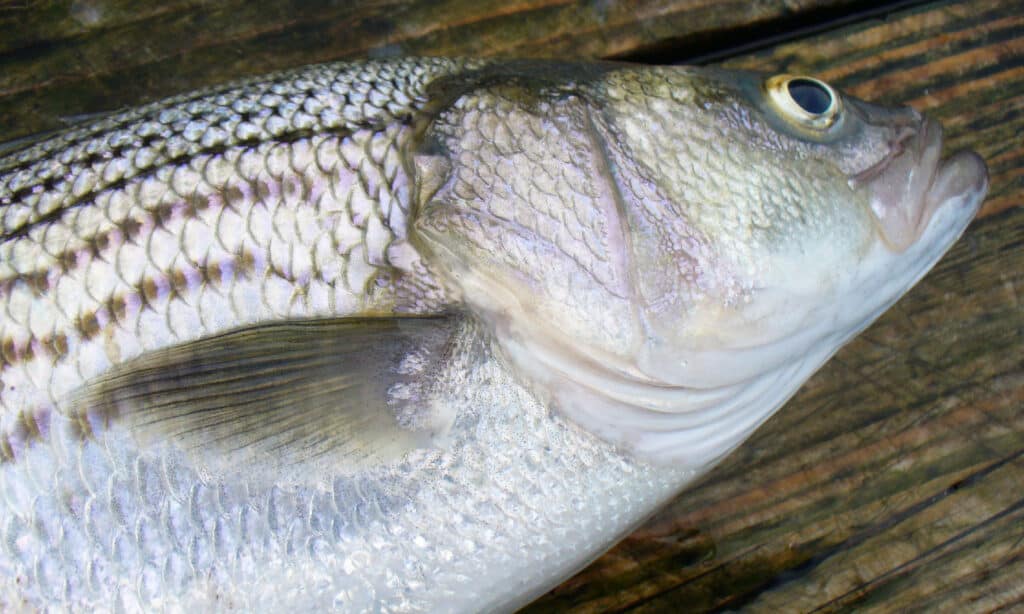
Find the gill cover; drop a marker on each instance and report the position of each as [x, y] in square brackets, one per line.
[661, 254]
[530, 206]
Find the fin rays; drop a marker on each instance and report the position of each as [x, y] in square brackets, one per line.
[275, 397]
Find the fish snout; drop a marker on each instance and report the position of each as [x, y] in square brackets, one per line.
[913, 182]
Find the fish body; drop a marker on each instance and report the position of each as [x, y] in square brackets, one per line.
[424, 334]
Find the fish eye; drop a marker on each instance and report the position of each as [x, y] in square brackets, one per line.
[807, 104]
[812, 96]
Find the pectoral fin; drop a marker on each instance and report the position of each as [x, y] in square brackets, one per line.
[285, 397]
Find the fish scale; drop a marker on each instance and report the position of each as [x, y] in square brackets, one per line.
[150, 231]
[139, 249]
[421, 335]
[179, 531]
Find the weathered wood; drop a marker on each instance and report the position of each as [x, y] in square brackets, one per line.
[895, 479]
[62, 58]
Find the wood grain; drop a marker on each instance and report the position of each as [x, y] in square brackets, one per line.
[895, 479]
[63, 58]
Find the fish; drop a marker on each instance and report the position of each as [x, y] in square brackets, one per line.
[425, 334]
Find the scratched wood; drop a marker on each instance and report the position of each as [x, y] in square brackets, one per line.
[895, 479]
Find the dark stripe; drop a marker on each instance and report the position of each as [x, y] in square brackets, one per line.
[38, 280]
[29, 428]
[81, 135]
[182, 160]
[325, 74]
[87, 325]
[109, 156]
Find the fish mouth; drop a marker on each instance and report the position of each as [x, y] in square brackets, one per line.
[912, 183]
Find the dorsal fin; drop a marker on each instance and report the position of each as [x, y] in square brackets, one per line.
[293, 397]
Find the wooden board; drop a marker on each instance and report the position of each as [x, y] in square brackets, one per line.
[895, 479]
[63, 58]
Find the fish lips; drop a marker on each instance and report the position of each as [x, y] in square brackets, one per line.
[921, 204]
[912, 183]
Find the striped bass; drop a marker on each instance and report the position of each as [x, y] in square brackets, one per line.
[424, 334]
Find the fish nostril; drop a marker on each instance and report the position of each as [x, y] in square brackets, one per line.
[902, 134]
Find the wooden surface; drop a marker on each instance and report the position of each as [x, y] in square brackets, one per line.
[895, 479]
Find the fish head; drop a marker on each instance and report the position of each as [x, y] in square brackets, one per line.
[667, 254]
[806, 213]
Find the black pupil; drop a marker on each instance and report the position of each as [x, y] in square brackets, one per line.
[810, 95]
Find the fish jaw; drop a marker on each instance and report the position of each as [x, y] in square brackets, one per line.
[908, 188]
[729, 392]
[923, 205]
[751, 255]
[918, 206]
[945, 207]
